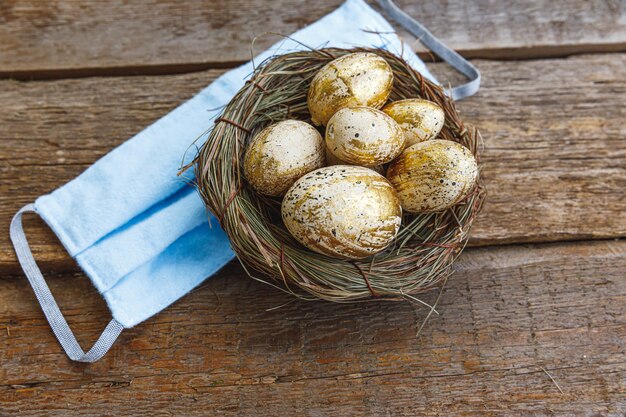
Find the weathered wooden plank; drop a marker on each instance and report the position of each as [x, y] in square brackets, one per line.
[60, 39]
[555, 155]
[507, 314]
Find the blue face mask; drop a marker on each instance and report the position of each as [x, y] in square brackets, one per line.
[140, 232]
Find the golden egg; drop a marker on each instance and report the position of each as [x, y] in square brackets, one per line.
[282, 153]
[357, 79]
[333, 160]
[343, 211]
[364, 136]
[419, 119]
[433, 175]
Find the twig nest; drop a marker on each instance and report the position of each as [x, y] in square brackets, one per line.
[356, 79]
[282, 153]
[419, 119]
[433, 175]
[343, 211]
[426, 244]
[364, 136]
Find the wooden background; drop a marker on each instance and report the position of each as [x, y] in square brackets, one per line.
[541, 292]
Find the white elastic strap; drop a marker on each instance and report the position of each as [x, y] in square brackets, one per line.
[49, 306]
[454, 59]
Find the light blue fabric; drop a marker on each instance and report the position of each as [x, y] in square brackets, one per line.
[139, 231]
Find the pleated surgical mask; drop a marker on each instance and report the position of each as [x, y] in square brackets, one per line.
[140, 232]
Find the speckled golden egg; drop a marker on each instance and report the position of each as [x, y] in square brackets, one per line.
[282, 153]
[333, 160]
[357, 79]
[364, 136]
[419, 119]
[433, 175]
[343, 211]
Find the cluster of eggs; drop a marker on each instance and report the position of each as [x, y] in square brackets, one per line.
[343, 194]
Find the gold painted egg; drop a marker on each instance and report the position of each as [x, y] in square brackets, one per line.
[433, 175]
[364, 136]
[280, 154]
[343, 211]
[419, 119]
[357, 79]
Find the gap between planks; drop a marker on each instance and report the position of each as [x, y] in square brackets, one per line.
[494, 54]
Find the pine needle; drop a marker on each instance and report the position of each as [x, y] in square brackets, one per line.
[552, 379]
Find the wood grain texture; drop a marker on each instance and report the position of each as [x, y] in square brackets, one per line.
[512, 316]
[506, 314]
[66, 38]
[555, 157]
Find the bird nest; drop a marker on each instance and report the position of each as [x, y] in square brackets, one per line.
[421, 255]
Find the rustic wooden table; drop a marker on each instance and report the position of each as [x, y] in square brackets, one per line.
[532, 323]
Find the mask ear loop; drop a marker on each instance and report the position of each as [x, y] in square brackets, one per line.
[48, 304]
[454, 59]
